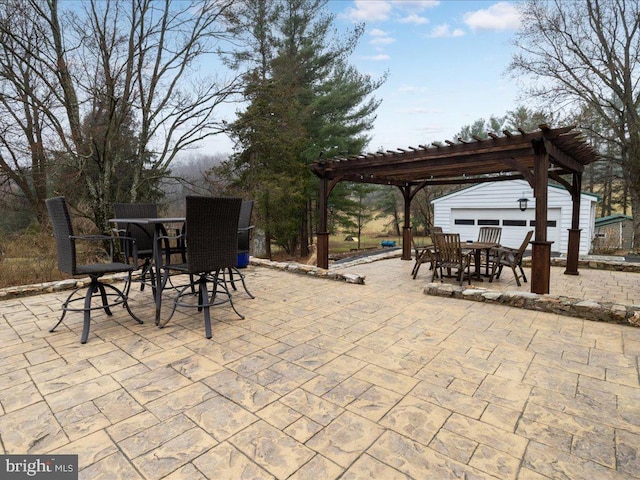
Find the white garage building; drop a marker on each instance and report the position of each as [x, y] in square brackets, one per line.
[496, 204]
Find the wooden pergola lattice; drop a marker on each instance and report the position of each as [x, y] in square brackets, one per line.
[558, 154]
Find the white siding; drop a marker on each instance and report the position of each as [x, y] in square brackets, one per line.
[499, 200]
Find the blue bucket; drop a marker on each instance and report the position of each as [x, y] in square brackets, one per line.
[243, 260]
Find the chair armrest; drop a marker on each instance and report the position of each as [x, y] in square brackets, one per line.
[93, 237]
[131, 248]
[165, 244]
[504, 250]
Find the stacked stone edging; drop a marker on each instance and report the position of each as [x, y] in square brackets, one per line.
[558, 304]
[51, 287]
[593, 263]
[311, 270]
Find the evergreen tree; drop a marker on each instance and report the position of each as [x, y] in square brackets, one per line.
[304, 100]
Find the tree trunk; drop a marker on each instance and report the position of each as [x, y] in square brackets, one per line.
[304, 232]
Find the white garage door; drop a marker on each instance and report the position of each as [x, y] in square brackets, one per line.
[515, 224]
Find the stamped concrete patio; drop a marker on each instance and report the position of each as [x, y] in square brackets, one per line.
[325, 379]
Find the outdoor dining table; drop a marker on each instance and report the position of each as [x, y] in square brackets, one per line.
[477, 248]
[158, 224]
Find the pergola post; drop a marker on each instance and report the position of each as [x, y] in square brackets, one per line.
[541, 248]
[322, 252]
[573, 249]
[406, 229]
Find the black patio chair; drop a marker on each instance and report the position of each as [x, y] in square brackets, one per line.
[66, 245]
[143, 233]
[212, 247]
[244, 240]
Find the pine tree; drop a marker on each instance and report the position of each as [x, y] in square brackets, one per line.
[304, 100]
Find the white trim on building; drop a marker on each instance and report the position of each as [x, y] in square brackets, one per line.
[496, 204]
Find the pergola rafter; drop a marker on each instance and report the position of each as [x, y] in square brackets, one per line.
[534, 156]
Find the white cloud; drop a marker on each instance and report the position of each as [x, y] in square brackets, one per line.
[376, 32]
[377, 58]
[416, 111]
[444, 31]
[415, 19]
[415, 5]
[368, 11]
[382, 41]
[500, 16]
[381, 10]
[380, 37]
[412, 89]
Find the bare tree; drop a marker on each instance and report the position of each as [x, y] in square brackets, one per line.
[586, 54]
[122, 88]
[24, 95]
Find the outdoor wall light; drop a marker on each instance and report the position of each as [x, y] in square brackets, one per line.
[522, 203]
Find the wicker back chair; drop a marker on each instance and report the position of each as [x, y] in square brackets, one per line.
[143, 233]
[244, 236]
[66, 247]
[449, 255]
[512, 258]
[244, 226]
[212, 247]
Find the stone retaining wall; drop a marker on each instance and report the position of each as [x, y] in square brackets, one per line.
[558, 304]
[594, 263]
[311, 270]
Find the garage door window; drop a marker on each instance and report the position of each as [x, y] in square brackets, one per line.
[488, 222]
[514, 223]
[550, 223]
[462, 221]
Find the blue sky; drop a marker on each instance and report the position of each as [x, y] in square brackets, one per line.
[446, 62]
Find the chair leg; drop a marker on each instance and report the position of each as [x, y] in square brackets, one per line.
[515, 274]
[148, 271]
[64, 309]
[493, 272]
[87, 311]
[416, 267]
[219, 281]
[125, 297]
[524, 277]
[103, 295]
[241, 276]
[499, 271]
[96, 287]
[204, 302]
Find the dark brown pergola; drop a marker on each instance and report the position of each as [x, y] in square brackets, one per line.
[558, 154]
